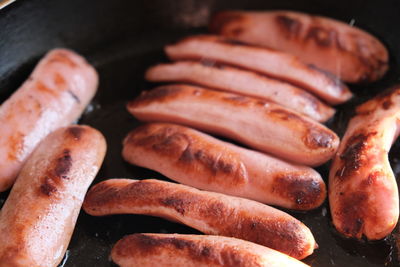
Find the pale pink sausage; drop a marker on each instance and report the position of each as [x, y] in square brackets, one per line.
[39, 215]
[55, 95]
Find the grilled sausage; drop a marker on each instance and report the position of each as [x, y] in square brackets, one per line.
[266, 61]
[208, 212]
[55, 95]
[242, 82]
[349, 52]
[196, 159]
[262, 125]
[144, 250]
[38, 218]
[363, 192]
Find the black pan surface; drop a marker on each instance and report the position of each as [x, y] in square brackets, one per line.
[123, 38]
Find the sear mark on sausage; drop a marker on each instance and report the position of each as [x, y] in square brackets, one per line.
[355, 155]
[63, 164]
[54, 176]
[353, 208]
[63, 58]
[300, 190]
[75, 132]
[160, 94]
[225, 18]
[48, 187]
[291, 27]
[188, 152]
[198, 252]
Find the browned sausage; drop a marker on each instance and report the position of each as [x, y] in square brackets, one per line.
[259, 124]
[148, 250]
[363, 193]
[347, 51]
[208, 212]
[38, 218]
[55, 95]
[196, 159]
[243, 82]
[266, 61]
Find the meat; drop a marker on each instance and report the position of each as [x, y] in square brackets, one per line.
[38, 218]
[363, 192]
[55, 95]
[349, 52]
[208, 212]
[199, 160]
[262, 125]
[145, 250]
[244, 82]
[266, 61]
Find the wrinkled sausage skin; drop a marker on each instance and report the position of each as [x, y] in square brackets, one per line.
[363, 192]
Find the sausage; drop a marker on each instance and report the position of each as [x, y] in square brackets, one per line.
[259, 124]
[199, 160]
[244, 82]
[363, 192]
[347, 51]
[144, 250]
[55, 95]
[208, 212]
[39, 215]
[269, 62]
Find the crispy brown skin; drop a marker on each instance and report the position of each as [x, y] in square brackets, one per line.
[259, 124]
[211, 213]
[244, 82]
[190, 250]
[351, 53]
[196, 159]
[38, 218]
[363, 191]
[273, 63]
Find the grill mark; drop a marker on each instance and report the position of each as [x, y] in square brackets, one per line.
[75, 132]
[355, 155]
[62, 57]
[74, 96]
[303, 192]
[290, 27]
[147, 245]
[159, 94]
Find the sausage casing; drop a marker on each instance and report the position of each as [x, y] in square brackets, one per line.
[260, 124]
[347, 51]
[243, 82]
[196, 159]
[38, 217]
[143, 250]
[55, 95]
[269, 62]
[363, 192]
[208, 212]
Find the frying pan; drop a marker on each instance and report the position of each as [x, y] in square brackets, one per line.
[121, 39]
